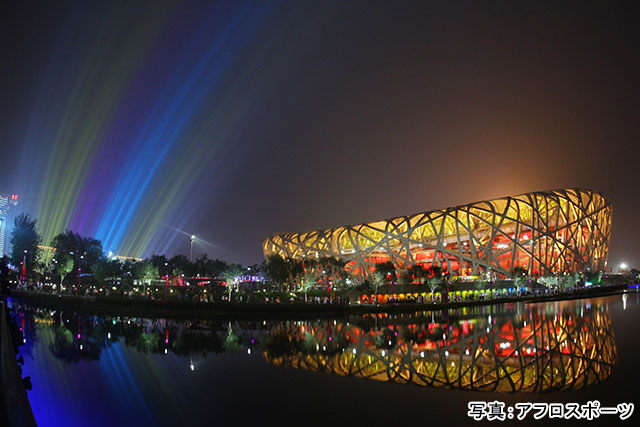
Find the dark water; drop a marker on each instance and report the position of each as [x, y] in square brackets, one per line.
[412, 369]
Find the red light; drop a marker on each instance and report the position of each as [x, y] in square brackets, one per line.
[14, 197]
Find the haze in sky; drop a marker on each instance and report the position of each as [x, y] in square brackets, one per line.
[143, 123]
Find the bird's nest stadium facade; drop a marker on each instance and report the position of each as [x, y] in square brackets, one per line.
[546, 233]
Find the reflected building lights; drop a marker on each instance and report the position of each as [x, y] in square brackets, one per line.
[542, 347]
[564, 352]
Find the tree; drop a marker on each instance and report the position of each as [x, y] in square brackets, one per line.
[67, 243]
[377, 279]
[231, 276]
[519, 277]
[333, 268]
[128, 271]
[388, 270]
[416, 272]
[295, 269]
[204, 266]
[162, 264]
[40, 264]
[182, 265]
[24, 240]
[550, 281]
[434, 279]
[149, 271]
[307, 282]
[85, 251]
[567, 280]
[201, 265]
[145, 271]
[108, 269]
[435, 284]
[284, 272]
[215, 267]
[276, 269]
[90, 253]
[64, 266]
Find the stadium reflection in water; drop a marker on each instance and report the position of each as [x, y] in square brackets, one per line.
[513, 348]
[535, 350]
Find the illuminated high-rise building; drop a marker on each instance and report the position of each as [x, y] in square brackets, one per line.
[6, 201]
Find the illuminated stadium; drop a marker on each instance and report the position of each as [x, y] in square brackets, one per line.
[545, 233]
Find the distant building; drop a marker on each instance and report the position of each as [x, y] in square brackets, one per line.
[6, 201]
[545, 233]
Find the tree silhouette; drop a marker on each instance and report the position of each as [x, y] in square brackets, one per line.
[24, 240]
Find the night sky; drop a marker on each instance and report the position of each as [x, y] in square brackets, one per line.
[141, 123]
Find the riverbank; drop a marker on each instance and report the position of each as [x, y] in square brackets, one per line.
[137, 307]
[15, 409]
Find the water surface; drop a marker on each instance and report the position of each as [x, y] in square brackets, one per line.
[380, 369]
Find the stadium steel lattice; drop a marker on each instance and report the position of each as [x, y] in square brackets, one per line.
[546, 233]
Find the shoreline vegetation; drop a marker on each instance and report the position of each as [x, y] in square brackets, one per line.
[75, 273]
[138, 307]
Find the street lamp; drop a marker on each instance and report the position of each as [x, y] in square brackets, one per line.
[622, 268]
[193, 238]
